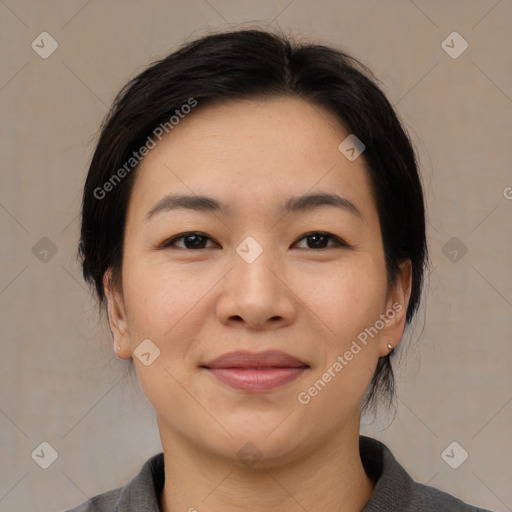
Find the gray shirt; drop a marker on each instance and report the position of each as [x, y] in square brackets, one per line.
[394, 488]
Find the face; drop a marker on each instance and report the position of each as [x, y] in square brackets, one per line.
[293, 292]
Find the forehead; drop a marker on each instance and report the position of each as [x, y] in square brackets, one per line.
[248, 151]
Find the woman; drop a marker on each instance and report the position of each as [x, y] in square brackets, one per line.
[253, 221]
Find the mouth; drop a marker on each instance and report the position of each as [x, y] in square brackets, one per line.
[256, 372]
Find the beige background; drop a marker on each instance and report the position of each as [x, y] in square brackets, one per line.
[61, 382]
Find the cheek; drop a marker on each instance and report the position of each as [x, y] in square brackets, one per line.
[157, 297]
[347, 305]
[162, 306]
[347, 298]
[349, 302]
[170, 305]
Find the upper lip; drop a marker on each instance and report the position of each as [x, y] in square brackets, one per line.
[245, 359]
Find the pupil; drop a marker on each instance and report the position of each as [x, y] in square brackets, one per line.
[195, 243]
[316, 239]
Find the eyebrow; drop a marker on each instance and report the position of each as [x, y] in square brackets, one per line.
[304, 203]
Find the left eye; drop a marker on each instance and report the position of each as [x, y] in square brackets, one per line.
[196, 240]
[319, 240]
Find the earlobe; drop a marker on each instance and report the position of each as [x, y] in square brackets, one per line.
[397, 303]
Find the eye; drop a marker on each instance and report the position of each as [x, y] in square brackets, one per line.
[196, 240]
[191, 240]
[319, 239]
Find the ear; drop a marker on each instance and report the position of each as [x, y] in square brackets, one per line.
[116, 316]
[396, 309]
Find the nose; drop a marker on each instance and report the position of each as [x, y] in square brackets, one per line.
[255, 293]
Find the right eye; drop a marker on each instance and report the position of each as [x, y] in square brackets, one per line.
[191, 240]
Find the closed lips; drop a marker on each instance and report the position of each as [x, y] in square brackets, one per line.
[262, 372]
[243, 359]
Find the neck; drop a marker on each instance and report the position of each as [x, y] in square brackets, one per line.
[329, 479]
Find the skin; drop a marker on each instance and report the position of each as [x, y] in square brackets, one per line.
[196, 304]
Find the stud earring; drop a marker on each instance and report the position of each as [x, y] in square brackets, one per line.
[390, 347]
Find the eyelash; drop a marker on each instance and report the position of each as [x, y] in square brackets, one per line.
[171, 241]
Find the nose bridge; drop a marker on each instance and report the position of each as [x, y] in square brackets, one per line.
[254, 293]
[254, 262]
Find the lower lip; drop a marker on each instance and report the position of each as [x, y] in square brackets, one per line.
[256, 380]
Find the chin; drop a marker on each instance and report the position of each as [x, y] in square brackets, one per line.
[263, 443]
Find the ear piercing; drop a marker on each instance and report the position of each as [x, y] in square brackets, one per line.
[390, 347]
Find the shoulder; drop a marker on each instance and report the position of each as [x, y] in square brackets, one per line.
[141, 493]
[396, 490]
[428, 498]
[106, 502]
